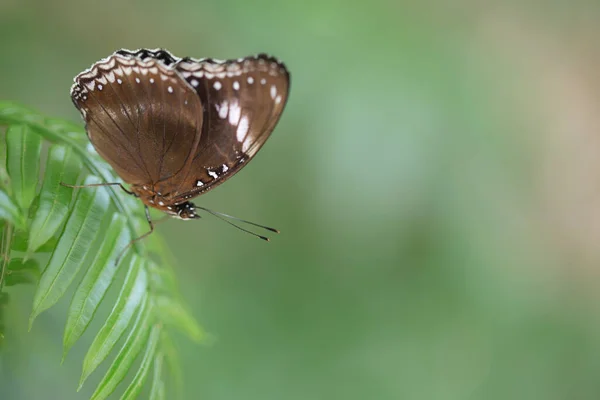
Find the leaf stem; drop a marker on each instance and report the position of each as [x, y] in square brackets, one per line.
[7, 234]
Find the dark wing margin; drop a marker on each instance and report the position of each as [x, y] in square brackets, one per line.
[161, 55]
[243, 100]
[140, 115]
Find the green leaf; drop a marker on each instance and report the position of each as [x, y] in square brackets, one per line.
[10, 212]
[162, 280]
[135, 387]
[21, 243]
[96, 281]
[19, 278]
[78, 234]
[13, 113]
[18, 264]
[4, 179]
[132, 294]
[173, 364]
[66, 260]
[22, 272]
[6, 235]
[157, 391]
[23, 149]
[67, 128]
[131, 349]
[173, 313]
[62, 166]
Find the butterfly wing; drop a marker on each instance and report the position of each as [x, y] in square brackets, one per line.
[242, 102]
[140, 115]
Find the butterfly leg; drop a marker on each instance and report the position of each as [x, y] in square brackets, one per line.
[130, 244]
[99, 184]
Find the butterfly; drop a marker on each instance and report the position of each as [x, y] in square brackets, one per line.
[174, 128]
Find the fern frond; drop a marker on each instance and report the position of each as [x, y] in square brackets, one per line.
[49, 227]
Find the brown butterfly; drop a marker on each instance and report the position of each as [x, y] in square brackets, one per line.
[174, 128]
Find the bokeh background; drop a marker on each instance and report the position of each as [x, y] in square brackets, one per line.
[436, 177]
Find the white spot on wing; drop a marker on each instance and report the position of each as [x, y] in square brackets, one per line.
[213, 174]
[223, 110]
[225, 168]
[246, 145]
[119, 81]
[263, 81]
[170, 89]
[273, 91]
[250, 80]
[151, 80]
[236, 85]
[199, 183]
[234, 113]
[137, 80]
[195, 82]
[217, 85]
[99, 87]
[242, 129]
[278, 99]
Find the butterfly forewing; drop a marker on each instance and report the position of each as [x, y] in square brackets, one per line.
[140, 116]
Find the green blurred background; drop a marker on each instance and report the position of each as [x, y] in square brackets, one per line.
[436, 177]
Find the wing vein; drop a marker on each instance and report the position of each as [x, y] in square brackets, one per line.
[118, 127]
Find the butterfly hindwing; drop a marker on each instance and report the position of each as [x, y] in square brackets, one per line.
[242, 102]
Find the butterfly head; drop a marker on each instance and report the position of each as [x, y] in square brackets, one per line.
[184, 211]
[164, 202]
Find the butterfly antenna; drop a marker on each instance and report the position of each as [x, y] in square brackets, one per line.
[238, 219]
[222, 218]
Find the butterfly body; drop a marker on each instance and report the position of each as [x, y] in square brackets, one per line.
[156, 199]
[175, 128]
